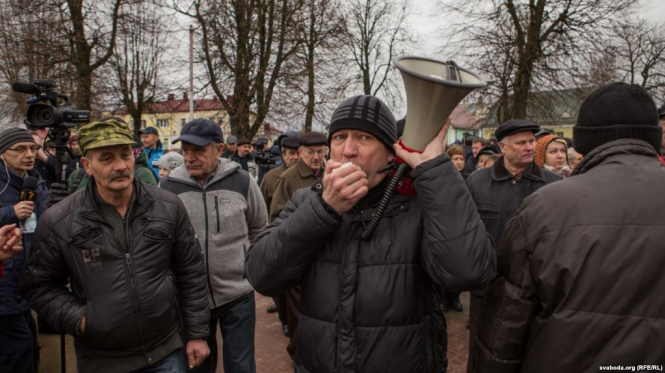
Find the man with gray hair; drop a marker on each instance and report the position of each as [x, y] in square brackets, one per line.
[227, 211]
[499, 190]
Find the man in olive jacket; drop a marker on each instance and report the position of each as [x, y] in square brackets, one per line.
[581, 264]
[373, 305]
[134, 263]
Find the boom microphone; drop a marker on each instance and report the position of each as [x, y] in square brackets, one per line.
[28, 88]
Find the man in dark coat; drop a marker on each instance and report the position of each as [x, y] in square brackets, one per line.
[373, 305]
[499, 190]
[307, 170]
[289, 149]
[133, 261]
[581, 264]
[18, 340]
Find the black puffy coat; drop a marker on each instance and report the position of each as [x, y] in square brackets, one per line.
[581, 271]
[372, 306]
[130, 299]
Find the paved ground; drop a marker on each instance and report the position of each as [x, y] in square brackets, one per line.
[271, 356]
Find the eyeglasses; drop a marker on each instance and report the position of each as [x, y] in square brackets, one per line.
[23, 149]
[311, 152]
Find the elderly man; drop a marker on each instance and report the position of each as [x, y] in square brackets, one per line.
[132, 259]
[18, 339]
[373, 305]
[227, 210]
[153, 147]
[499, 190]
[289, 150]
[312, 153]
[231, 147]
[244, 158]
[581, 263]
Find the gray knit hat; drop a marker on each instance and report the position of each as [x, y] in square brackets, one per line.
[13, 136]
[170, 161]
[365, 113]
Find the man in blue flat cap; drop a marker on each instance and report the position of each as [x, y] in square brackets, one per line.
[227, 211]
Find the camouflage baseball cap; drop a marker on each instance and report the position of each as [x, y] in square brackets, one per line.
[101, 134]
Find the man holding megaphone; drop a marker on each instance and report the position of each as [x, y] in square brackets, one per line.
[370, 303]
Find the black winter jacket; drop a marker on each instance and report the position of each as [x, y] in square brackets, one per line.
[130, 299]
[371, 306]
[581, 271]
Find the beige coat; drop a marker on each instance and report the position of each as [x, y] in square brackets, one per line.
[297, 177]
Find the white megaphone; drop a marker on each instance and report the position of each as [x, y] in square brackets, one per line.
[433, 90]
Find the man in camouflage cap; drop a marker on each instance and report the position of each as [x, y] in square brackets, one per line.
[134, 262]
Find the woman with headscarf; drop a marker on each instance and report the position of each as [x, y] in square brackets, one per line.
[552, 155]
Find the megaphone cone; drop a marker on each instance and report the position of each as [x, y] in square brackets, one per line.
[433, 90]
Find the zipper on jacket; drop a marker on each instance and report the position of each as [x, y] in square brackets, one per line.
[217, 212]
[131, 276]
[205, 213]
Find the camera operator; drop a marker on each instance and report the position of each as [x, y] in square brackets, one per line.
[18, 340]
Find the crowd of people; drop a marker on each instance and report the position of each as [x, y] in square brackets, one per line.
[142, 255]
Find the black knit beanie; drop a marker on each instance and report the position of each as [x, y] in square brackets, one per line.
[365, 113]
[616, 111]
[13, 136]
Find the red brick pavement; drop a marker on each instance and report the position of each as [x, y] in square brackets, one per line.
[271, 356]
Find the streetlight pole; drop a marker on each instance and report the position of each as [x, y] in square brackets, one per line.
[191, 72]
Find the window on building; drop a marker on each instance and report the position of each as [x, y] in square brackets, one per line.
[220, 121]
[143, 123]
[162, 123]
[182, 122]
[560, 134]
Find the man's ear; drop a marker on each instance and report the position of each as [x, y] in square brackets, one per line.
[220, 150]
[86, 165]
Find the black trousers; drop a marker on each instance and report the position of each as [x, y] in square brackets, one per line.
[19, 352]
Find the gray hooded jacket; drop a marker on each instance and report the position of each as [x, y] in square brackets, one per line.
[227, 213]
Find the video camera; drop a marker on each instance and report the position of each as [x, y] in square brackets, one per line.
[263, 157]
[49, 108]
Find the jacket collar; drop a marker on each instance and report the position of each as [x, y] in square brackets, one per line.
[304, 170]
[622, 146]
[224, 169]
[89, 207]
[501, 173]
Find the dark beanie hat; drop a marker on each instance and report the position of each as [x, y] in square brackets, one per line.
[13, 136]
[616, 111]
[368, 114]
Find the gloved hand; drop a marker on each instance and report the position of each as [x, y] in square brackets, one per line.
[58, 193]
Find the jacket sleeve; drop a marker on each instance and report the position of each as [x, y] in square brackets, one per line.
[190, 273]
[8, 215]
[510, 306]
[145, 176]
[257, 213]
[44, 282]
[457, 252]
[282, 252]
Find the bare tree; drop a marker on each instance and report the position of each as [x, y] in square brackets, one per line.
[547, 37]
[311, 79]
[139, 57]
[377, 32]
[30, 48]
[640, 48]
[244, 45]
[91, 29]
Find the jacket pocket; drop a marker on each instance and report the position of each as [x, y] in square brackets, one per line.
[488, 210]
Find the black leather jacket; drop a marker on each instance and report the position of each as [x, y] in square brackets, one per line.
[131, 300]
